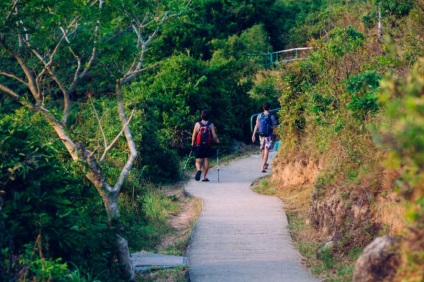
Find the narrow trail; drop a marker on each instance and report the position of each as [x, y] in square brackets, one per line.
[241, 235]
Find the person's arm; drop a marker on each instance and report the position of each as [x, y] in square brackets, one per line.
[254, 131]
[195, 131]
[215, 137]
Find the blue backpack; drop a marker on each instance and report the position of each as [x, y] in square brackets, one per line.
[265, 125]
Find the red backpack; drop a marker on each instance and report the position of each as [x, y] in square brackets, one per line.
[204, 136]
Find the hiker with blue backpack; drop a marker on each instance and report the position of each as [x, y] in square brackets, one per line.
[201, 141]
[265, 126]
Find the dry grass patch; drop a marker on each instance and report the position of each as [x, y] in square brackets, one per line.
[390, 212]
[182, 223]
[176, 242]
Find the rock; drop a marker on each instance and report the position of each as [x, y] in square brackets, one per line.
[326, 247]
[379, 261]
[143, 261]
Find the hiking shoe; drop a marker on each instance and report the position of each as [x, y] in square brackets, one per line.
[198, 173]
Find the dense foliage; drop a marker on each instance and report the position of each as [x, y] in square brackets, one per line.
[403, 136]
[336, 113]
[51, 215]
[78, 50]
[199, 59]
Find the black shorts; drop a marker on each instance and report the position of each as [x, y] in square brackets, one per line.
[203, 152]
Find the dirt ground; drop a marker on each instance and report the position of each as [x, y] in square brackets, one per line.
[182, 222]
[178, 240]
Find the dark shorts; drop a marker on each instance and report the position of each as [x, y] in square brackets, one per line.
[203, 152]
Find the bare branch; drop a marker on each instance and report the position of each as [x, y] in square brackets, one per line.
[10, 93]
[99, 120]
[15, 2]
[130, 75]
[94, 152]
[51, 119]
[32, 84]
[126, 170]
[138, 28]
[38, 80]
[91, 60]
[76, 74]
[52, 54]
[61, 131]
[14, 77]
[64, 33]
[47, 65]
[117, 137]
[66, 98]
[128, 137]
[64, 36]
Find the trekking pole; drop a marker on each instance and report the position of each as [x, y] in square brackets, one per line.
[217, 161]
[191, 151]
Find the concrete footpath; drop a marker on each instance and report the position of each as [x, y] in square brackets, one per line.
[241, 235]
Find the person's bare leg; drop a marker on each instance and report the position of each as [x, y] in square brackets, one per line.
[264, 158]
[199, 169]
[198, 164]
[205, 167]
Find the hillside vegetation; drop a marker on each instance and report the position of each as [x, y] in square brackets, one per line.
[98, 101]
[351, 129]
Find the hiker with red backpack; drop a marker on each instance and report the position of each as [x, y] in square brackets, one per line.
[265, 126]
[201, 141]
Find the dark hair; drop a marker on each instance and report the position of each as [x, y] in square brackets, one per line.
[205, 114]
[266, 106]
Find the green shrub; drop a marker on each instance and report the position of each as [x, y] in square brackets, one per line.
[399, 8]
[403, 135]
[370, 19]
[343, 40]
[46, 204]
[321, 104]
[364, 100]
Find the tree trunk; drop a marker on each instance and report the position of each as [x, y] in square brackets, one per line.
[110, 199]
[124, 257]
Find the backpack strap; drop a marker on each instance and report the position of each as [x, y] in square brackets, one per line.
[208, 123]
[263, 114]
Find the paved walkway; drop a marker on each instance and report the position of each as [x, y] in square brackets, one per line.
[241, 235]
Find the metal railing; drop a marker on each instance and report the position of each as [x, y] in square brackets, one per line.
[255, 115]
[285, 56]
